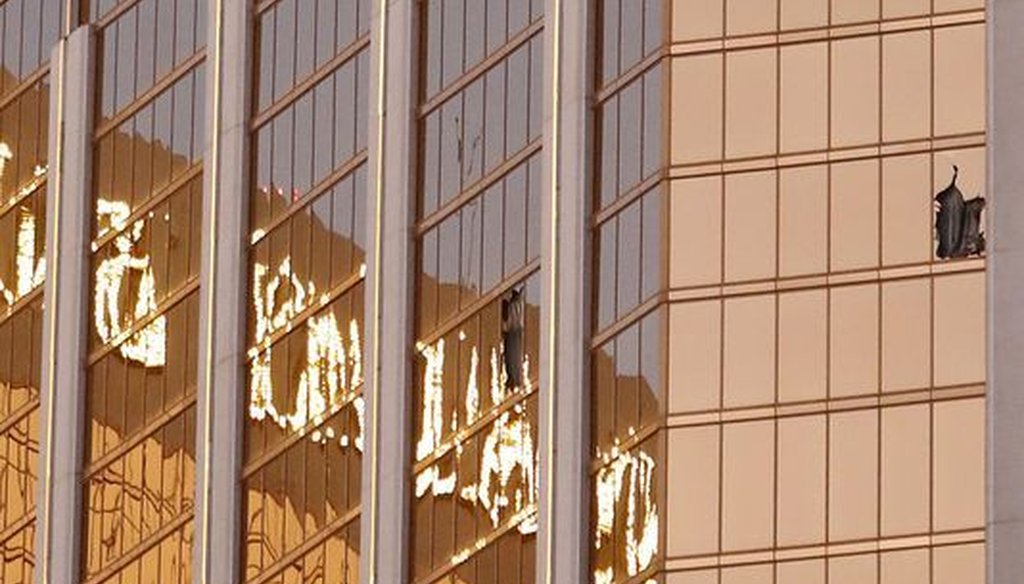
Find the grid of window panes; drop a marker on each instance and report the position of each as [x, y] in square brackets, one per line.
[826, 373]
[139, 467]
[474, 473]
[628, 346]
[28, 31]
[304, 435]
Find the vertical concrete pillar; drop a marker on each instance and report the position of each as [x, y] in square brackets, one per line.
[385, 527]
[65, 312]
[1005, 217]
[223, 273]
[565, 313]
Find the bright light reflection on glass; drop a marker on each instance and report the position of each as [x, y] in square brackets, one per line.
[506, 487]
[333, 370]
[29, 270]
[149, 345]
[628, 475]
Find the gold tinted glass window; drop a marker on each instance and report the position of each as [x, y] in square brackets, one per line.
[305, 430]
[28, 31]
[629, 237]
[474, 473]
[822, 337]
[139, 468]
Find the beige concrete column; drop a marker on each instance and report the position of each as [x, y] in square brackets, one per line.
[65, 311]
[564, 534]
[1005, 216]
[389, 286]
[223, 276]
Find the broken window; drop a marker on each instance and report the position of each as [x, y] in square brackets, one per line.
[958, 222]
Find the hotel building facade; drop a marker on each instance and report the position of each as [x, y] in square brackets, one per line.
[509, 292]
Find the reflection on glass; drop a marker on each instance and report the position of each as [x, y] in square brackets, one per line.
[149, 345]
[29, 269]
[5, 155]
[140, 503]
[332, 373]
[20, 336]
[508, 450]
[626, 513]
[475, 490]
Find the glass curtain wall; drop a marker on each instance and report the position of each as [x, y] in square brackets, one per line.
[28, 31]
[477, 233]
[628, 344]
[138, 478]
[827, 376]
[305, 432]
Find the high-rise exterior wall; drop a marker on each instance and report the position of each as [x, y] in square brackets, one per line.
[826, 405]
[477, 232]
[628, 346]
[779, 381]
[304, 436]
[28, 31]
[138, 475]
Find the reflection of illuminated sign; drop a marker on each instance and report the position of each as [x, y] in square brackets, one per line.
[508, 463]
[630, 474]
[332, 371]
[5, 155]
[148, 346]
[29, 271]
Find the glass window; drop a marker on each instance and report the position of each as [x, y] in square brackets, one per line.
[748, 500]
[801, 284]
[474, 479]
[853, 11]
[906, 567]
[862, 569]
[803, 345]
[28, 31]
[906, 335]
[803, 221]
[853, 332]
[749, 351]
[905, 8]
[694, 358]
[695, 237]
[692, 518]
[803, 14]
[906, 85]
[958, 459]
[697, 19]
[697, 108]
[959, 79]
[853, 479]
[959, 333]
[139, 476]
[305, 428]
[801, 476]
[854, 210]
[746, 18]
[748, 574]
[751, 90]
[802, 572]
[854, 92]
[960, 563]
[750, 226]
[136, 55]
[906, 231]
[905, 472]
[803, 111]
